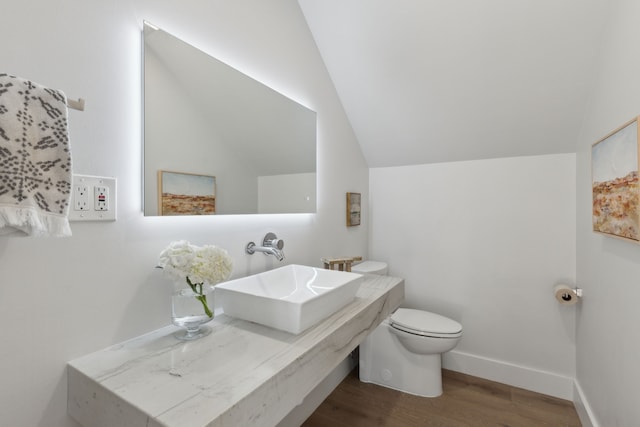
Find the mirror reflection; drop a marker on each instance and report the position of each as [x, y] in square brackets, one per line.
[217, 141]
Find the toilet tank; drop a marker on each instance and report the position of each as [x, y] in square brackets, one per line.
[370, 267]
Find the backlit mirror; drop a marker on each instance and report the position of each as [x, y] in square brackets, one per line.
[218, 141]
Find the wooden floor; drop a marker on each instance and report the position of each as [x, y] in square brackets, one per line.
[467, 401]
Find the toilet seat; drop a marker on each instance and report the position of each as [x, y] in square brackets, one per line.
[424, 323]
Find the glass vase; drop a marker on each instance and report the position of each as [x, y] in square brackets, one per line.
[191, 309]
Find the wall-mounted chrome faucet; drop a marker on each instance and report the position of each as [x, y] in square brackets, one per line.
[271, 245]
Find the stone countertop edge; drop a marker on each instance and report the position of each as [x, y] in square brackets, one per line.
[242, 374]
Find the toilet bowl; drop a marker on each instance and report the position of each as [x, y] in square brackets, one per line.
[405, 351]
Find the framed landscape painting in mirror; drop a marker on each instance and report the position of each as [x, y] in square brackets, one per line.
[186, 194]
[614, 169]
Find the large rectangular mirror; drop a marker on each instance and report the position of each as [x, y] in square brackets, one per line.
[218, 141]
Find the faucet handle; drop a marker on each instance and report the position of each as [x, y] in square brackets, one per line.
[272, 241]
[277, 243]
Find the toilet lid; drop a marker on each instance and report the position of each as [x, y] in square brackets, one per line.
[424, 323]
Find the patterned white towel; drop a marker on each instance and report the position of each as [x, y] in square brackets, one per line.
[35, 159]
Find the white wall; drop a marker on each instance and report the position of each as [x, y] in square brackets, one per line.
[63, 298]
[484, 242]
[608, 348]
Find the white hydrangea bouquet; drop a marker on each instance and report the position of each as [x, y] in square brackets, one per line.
[197, 265]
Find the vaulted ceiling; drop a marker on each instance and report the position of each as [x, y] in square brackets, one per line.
[427, 81]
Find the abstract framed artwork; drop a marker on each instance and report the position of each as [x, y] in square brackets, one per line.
[614, 171]
[353, 209]
[186, 194]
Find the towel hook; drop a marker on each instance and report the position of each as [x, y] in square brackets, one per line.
[76, 105]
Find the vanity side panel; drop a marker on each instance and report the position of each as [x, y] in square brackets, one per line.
[92, 405]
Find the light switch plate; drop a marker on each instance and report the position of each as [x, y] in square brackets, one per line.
[101, 198]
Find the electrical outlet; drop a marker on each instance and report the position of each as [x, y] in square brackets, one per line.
[101, 198]
[93, 198]
[81, 197]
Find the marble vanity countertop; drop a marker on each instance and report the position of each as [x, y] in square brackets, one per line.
[242, 374]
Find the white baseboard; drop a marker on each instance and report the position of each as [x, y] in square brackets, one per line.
[311, 402]
[548, 383]
[587, 418]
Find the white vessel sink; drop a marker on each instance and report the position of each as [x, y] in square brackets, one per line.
[290, 298]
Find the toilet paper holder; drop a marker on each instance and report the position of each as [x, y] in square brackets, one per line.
[566, 294]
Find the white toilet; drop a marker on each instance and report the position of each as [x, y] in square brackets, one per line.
[405, 351]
